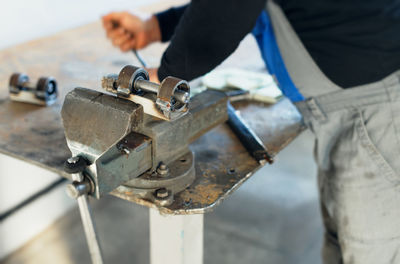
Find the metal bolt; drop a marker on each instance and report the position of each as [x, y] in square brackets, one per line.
[78, 177]
[179, 95]
[162, 169]
[126, 150]
[123, 91]
[162, 193]
[182, 96]
[73, 160]
[72, 191]
[121, 146]
[76, 189]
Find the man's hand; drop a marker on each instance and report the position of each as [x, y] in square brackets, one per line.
[128, 31]
[153, 75]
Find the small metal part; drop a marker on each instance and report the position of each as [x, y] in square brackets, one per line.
[126, 150]
[76, 189]
[127, 79]
[18, 82]
[162, 169]
[182, 96]
[46, 89]
[248, 138]
[122, 146]
[163, 197]
[137, 80]
[72, 191]
[75, 164]
[162, 193]
[147, 86]
[42, 93]
[110, 82]
[172, 95]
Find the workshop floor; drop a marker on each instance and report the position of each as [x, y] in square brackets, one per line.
[273, 218]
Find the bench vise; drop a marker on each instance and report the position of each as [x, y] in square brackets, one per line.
[115, 142]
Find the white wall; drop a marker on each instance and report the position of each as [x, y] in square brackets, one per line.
[20, 21]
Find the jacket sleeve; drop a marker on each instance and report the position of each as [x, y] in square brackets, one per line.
[168, 20]
[207, 33]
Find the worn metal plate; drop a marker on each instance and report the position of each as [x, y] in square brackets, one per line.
[80, 57]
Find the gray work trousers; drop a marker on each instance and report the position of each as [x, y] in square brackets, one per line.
[357, 150]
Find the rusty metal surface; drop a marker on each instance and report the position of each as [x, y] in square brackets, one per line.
[34, 134]
[80, 57]
[223, 164]
[276, 125]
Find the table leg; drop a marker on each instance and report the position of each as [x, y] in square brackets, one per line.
[176, 239]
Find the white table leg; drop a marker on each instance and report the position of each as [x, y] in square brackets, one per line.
[176, 239]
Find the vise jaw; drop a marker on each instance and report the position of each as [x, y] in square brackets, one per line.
[96, 128]
[125, 146]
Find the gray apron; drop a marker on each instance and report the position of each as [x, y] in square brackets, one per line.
[357, 148]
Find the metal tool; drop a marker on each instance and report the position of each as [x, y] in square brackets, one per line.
[248, 138]
[44, 92]
[79, 189]
[168, 100]
[122, 144]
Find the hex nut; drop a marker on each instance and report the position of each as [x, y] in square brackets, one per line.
[163, 197]
[162, 193]
[162, 169]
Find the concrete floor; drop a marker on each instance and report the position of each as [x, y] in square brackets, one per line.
[273, 218]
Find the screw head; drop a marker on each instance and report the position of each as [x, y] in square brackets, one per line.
[75, 164]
